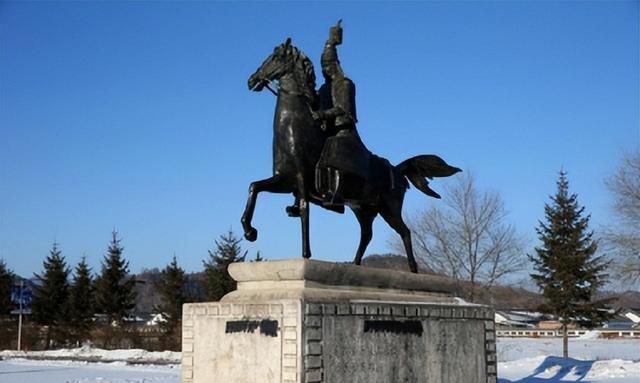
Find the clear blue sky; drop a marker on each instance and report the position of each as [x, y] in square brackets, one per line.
[136, 116]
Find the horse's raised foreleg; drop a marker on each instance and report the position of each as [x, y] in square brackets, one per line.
[391, 211]
[294, 210]
[365, 216]
[274, 184]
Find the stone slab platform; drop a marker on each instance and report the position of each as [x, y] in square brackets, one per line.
[327, 281]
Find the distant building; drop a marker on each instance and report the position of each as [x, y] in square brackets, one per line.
[621, 321]
[554, 325]
[138, 319]
[633, 315]
[156, 319]
[517, 318]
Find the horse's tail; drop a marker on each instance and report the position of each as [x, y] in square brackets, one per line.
[417, 169]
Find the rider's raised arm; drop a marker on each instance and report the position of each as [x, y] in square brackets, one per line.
[343, 110]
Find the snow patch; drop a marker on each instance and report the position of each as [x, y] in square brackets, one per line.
[91, 354]
[511, 349]
[554, 369]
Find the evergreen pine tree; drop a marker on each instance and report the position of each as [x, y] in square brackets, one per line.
[171, 287]
[115, 294]
[51, 296]
[258, 258]
[218, 282]
[6, 281]
[566, 267]
[81, 304]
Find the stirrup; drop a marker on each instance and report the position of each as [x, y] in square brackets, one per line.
[333, 200]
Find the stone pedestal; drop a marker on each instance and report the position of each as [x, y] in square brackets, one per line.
[304, 321]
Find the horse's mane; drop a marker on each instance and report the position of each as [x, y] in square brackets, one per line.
[305, 74]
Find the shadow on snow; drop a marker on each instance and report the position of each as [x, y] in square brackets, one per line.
[554, 369]
[34, 370]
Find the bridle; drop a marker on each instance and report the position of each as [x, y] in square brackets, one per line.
[267, 84]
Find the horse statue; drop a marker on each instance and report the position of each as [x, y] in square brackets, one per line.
[297, 144]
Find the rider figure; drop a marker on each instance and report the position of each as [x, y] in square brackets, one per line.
[343, 153]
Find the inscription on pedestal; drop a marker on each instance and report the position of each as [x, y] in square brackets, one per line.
[267, 327]
[393, 326]
[241, 343]
[381, 343]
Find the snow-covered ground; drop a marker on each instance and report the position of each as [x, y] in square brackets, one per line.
[90, 365]
[520, 361]
[42, 371]
[510, 349]
[526, 360]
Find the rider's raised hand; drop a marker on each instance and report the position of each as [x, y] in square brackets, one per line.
[335, 34]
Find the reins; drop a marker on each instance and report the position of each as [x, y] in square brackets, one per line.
[299, 94]
[266, 85]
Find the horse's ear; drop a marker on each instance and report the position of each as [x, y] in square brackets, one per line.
[287, 43]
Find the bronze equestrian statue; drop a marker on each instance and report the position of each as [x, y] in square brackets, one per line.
[319, 157]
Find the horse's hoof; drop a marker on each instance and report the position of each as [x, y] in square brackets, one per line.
[413, 267]
[293, 211]
[251, 235]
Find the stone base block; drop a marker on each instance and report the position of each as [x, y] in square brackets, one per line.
[339, 339]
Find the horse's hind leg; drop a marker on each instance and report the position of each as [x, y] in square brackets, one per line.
[303, 199]
[391, 211]
[304, 217]
[274, 184]
[365, 216]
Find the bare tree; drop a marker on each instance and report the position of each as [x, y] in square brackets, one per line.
[624, 236]
[466, 236]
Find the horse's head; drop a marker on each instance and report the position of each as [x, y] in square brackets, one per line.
[275, 66]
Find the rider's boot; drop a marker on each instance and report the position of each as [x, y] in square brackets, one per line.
[334, 197]
[324, 185]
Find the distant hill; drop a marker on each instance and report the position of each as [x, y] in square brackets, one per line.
[148, 297]
[629, 300]
[624, 300]
[510, 297]
[146, 293]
